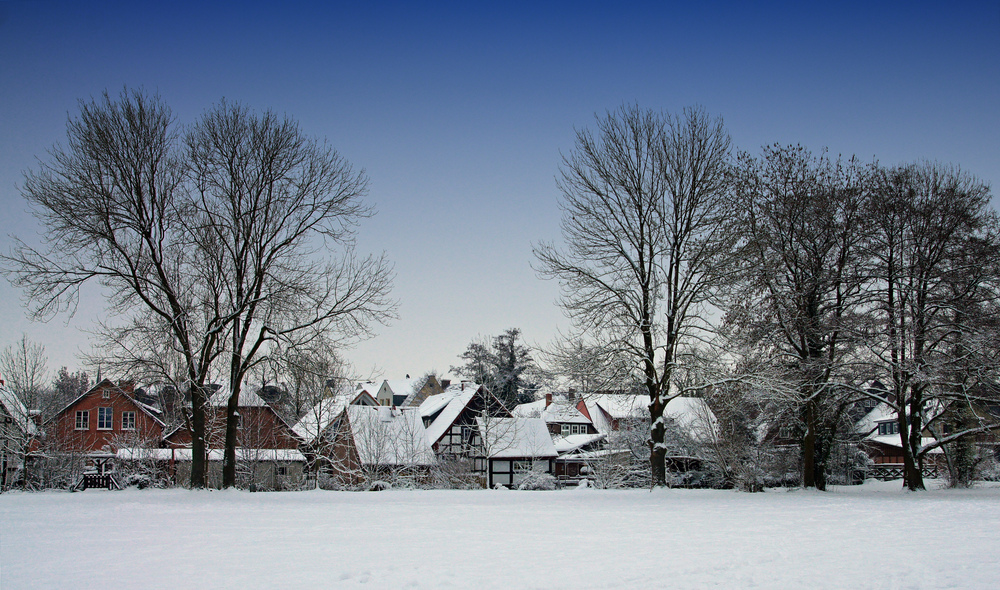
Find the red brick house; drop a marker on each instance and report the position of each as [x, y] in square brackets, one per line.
[101, 421]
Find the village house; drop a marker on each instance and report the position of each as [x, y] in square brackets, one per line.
[93, 427]
[368, 445]
[514, 448]
[17, 432]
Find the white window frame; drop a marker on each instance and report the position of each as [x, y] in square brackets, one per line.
[103, 413]
[128, 420]
[82, 420]
[564, 429]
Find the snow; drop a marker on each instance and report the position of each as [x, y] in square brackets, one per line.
[693, 416]
[248, 398]
[453, 401]
[572, 442]
[865, 537]
[389, 436]
[516, 437]
[17, 411]
[213, 454]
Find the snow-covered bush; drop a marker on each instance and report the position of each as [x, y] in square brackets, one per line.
[537, 480]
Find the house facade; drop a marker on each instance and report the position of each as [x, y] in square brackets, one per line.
[18, 431]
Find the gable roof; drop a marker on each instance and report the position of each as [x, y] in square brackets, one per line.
[388, 436]
[693, 416]
[150, 411]
[312, 425]
[516, 437]
[445, 408]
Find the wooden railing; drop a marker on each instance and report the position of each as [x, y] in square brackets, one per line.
[889, 471]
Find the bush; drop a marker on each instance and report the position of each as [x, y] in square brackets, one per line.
[536, 480]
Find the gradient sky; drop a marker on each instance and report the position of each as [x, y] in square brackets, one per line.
[459, 113]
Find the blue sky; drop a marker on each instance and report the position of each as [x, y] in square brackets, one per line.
[459, 112]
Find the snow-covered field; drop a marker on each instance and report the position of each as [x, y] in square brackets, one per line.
[873, 536]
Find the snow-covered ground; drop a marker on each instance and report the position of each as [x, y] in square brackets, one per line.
[873, 536]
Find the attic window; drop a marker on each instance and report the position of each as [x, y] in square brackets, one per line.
[105, 394]
[888, 428]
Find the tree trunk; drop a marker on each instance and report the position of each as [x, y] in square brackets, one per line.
[809, 445]
[198, 462]
[657, 451]
[232, 434]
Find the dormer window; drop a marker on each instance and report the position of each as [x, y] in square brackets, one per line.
[888, 428]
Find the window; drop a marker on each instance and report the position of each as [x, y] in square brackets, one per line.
[128, 420]
[83, 419]
[565, 429]
[785, 432]
[104, 418]
[887, 428]
[578, 429]
[281, 470]
[522, 466]
[105, 394]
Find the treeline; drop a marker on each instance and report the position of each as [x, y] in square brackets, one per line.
[786, 280]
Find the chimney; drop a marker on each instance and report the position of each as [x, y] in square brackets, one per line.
[445, 383]
[548, 399]
[571, 396]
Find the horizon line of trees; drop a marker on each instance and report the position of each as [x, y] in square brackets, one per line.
[686, 266]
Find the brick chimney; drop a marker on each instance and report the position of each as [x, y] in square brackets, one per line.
[548, 399]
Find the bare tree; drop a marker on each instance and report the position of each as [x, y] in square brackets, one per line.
[271, 201]
[113, 205]
[645, 227]
[587, 367]
[933, 261]
[803, 296]
[23, 368]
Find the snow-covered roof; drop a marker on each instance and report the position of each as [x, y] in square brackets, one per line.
[447, 406]
[572, 442]
[529, 410]
[403, 386]
[17, 410]
[516, 437]
[316, 420]
[564, 411]
[389, 436]
[248, 398]
[894, 440]
[242, 454]
[882, 412]
[693, 416]
[621, 405]
[560, 410]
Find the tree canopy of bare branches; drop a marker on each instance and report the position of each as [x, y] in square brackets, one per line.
[645, 228]
[211, 244]
[803, 294]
